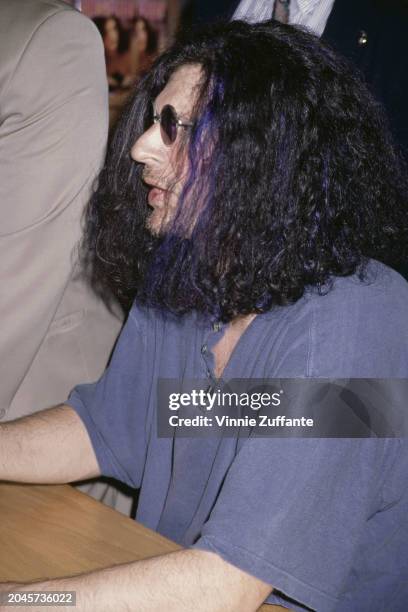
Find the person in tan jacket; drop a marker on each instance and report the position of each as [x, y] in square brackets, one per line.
[55, 331]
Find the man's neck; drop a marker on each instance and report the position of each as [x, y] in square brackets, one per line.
[223, 349]
[241, 322]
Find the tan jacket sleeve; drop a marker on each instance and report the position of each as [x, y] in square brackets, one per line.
[53, 129]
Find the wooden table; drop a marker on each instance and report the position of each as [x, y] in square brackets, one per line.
[55, 531]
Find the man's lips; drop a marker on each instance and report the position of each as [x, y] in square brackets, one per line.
[157, 190]
[156, 196]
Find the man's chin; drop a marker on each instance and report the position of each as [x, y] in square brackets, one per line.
[156, 224]
[159, 223]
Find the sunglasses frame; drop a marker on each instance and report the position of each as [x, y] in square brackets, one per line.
[157, 118]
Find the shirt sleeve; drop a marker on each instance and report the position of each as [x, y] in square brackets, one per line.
[290, 512]
[115, 411]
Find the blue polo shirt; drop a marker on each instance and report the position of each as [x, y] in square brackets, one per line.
[324, 521]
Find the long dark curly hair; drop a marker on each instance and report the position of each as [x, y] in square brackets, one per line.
[303, 182]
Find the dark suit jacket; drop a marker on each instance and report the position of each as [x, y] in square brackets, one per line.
[383, 59]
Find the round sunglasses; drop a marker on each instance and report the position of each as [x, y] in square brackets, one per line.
[169, 123]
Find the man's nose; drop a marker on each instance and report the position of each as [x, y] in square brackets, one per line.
[148, 146]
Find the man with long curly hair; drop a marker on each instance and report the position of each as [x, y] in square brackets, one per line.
[250, 205]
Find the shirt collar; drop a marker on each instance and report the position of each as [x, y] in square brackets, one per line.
[306, 6]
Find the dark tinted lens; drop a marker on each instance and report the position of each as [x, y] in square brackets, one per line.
[168, 123]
